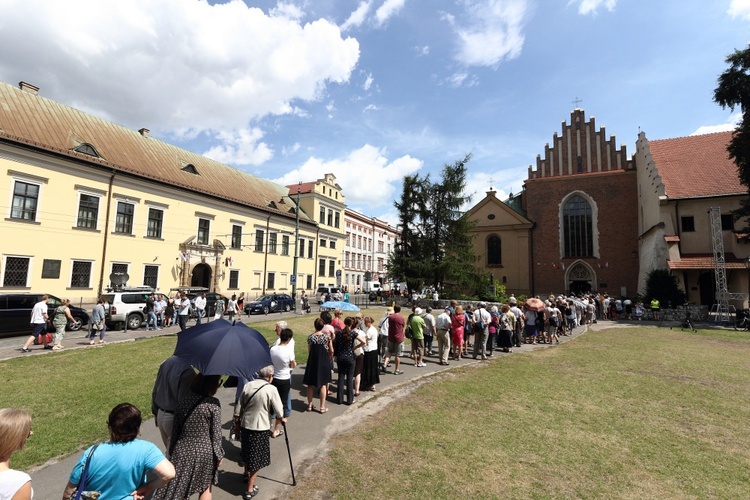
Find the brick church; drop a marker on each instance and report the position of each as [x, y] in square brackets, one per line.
[575, 224]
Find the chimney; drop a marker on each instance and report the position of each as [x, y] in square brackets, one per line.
[144, 132]
[27, 87]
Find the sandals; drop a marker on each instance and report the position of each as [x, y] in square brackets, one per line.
[311, 408]
[323, 410]
[280, 433]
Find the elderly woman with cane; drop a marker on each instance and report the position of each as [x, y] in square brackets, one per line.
[251, 420]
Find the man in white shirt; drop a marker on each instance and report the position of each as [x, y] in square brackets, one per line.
[518, 336]
[482, 320]
[200, 307]
[443, 329]
[39, 319]
[183, 311]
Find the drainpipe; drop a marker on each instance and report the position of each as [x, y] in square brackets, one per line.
[265, 257]
[106, 234]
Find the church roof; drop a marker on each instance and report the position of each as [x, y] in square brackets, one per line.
[34, 121]
[696, 166]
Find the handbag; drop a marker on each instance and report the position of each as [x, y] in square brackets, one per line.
[79, 493]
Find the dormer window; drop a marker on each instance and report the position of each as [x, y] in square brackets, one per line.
[87, 149]
[190, 168]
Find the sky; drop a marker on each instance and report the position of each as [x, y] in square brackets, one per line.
[374, 90]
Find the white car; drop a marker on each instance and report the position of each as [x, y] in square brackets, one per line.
[126, 305]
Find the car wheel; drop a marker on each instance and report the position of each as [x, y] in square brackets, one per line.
[286, 307]
[265, 310]
[75, 325]
[134, 321]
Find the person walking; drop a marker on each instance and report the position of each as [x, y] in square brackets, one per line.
[39, 320]
[219, 309]
[98, 323]
[151, 313]
[60, 321]
[173, 381]
[232, 307]
[200, 308]
[417, 326]
[195, 448]
[396, 337]
[15, 429]
[370, 371]
[183, 312]
[169, 311]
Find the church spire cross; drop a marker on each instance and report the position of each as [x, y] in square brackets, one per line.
[577, 101]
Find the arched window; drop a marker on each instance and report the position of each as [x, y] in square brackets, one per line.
[494, 251]
[578, 234]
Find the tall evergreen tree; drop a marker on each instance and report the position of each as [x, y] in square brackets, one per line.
[733, 91]
[435, 247]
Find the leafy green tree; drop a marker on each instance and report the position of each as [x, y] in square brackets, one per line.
[733, 91]
[665, 287]
[435, 247]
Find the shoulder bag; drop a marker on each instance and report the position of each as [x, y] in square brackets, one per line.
[79, 493]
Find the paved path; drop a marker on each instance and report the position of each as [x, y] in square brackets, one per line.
[308, 432]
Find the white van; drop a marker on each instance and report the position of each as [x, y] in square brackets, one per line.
[322, 291]
[371, 286]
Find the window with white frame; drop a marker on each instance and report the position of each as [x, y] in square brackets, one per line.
[331, 268]
[332, 244]
[272, 240]
[310, 249]
[16, 271]
[309, 281]
[236, 237]
[337, 222]
[301, 248]
[271, 280]
[323, 242]
[257, 280]
[234, 279]
[155, 222]
[204, 231]
[124, 217]
[259, 236]
[151, 276]
[330, 217]
[322, 219]
[25, 201]
[321, 267]
[88, 211]
[80, 274]
[284, 244]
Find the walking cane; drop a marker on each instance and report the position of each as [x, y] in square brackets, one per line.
[289, 451]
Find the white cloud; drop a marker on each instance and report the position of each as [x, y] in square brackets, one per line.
[422, 50]
[368, 179]
[592, 6]
[178, 68]
[290, 150]
[734, 120]
[368, 82]
[240, 146]
[358, 16]
[740, 8]
[462, 79]
[388, 9]
[477, 184]
[371, 107]
[492, 31]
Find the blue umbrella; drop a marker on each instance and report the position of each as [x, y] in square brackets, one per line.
[223, 348]
[337, 304]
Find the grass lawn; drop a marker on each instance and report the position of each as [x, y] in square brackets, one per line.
[625, 413]
[70, 393]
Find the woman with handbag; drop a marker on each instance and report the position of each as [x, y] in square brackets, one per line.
[195, 447]
[251, 421]
[60, 321]
[15, 429]
[120, 467]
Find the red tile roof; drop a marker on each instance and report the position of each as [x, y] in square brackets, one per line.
[706, 261]
[303, 188]
[696, 166]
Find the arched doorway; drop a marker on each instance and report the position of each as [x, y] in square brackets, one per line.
[201, 276]
[580, 278]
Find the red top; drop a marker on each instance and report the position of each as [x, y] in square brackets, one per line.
[396, 324]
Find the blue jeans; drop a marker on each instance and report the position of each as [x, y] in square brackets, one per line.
[151, 320]
[198, 316]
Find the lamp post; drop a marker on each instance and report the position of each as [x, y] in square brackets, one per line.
[296, 250]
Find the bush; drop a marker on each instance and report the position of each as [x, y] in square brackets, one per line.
[665, 287]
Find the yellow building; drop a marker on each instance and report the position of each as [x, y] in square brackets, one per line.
[502, 239]
[323, 199]
[86, 198]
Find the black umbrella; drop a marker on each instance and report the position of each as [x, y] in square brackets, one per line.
[224, 348]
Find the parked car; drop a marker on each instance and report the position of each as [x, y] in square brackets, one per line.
[211, 299]
[15, 313]
[272, 302]
[126, 305]
[322, 291]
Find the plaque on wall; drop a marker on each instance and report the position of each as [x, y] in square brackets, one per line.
[51, 269]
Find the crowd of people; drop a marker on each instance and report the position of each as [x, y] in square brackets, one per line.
[358, 349]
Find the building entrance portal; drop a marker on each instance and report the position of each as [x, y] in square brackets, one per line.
[580, 278]
[201, 276]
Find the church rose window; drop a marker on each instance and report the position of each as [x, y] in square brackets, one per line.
[577, 228]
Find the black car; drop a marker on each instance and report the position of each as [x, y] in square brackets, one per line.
[15, 313]
[272, 302]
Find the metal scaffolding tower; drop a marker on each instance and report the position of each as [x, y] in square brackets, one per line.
[721, 309]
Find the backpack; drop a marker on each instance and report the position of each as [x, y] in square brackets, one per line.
[40, 341]
[407, 329]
